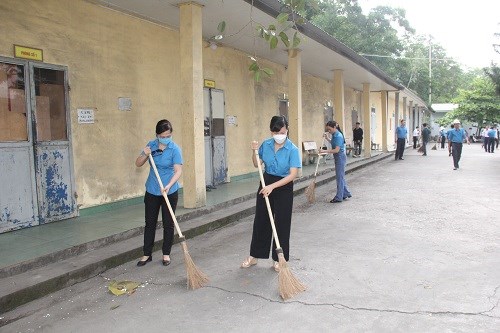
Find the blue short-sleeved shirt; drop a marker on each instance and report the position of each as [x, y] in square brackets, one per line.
[164, 161]
[401, 132]
[456, 135]
[279, 163]
[492, 133]
[338, 141]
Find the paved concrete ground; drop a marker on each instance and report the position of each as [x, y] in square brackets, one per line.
[417, 249]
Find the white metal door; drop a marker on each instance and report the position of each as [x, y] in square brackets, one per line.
[18, 204]
[53, 161]
[215, 137]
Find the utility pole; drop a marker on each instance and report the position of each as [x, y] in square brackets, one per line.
[430, 70]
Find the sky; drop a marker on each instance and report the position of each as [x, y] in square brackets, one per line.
[465, 29]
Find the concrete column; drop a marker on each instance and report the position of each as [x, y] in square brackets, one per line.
[384, 102]
[295, 98]
[366, 106]
[410, 123]
[191, 106]
[338, 97]
[396, 110]
[404, 111]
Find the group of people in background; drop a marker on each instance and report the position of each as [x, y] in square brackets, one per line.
[490, 136]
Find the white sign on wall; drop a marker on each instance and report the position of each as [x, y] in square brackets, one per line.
[85, 116]
[232, 120]
[124, 104]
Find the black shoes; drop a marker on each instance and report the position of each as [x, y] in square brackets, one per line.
[402, 159]
[144, 262]
[334, 200]
[165, 262]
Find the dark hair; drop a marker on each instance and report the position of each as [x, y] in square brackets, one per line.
[358, 123]
[424, 124]
[163, 126]
[277, 123]
[333, 124]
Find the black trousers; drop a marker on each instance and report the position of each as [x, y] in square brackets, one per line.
[491, 145]
[400, 148]
[443, 140]
[456, 152]
[357, 147]
[152, 204]
[415, 141]
[281, 201]
[486, 143]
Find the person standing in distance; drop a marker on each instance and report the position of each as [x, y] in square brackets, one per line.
[456, 138]
[282, 162]
[416, 134]
[168, 159]
[426, 135]
[338, 151]
[400, 140]
[357, 134]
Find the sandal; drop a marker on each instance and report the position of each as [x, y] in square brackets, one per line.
[250, 261]
[276, 266]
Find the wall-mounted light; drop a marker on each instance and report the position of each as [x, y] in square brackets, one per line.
[213, 45]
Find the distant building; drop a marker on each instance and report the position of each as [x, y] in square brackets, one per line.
[440, 111]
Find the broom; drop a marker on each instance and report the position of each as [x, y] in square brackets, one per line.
[195, 277]
[289, 286]
[311, 189]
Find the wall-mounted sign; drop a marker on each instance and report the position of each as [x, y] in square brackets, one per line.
[124, 103]
[28, 53]
[85, 116]
[232, 120]
[209, 83]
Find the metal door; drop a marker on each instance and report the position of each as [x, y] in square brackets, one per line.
[215, 137]
[53, 160]
[373, 124]
[36, 178]
[18, 204]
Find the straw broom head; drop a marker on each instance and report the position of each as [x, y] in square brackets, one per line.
[195, 277]
[310, 191]
[289, 285]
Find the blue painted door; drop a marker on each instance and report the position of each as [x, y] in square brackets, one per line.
[53, 163]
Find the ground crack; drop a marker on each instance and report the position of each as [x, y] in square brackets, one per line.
[346, 307]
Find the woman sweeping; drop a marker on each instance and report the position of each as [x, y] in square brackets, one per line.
[338, 151]
[281, 159]
[168, 159]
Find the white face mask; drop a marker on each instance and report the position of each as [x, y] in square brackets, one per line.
[279, 138]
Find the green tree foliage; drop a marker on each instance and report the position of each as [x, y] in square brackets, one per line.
[493, 72]
[387, 39]
[479, 104]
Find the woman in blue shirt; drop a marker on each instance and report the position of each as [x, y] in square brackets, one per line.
[168, 159]
[281, 163]
[338, 151]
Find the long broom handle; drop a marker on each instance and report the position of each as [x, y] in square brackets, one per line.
[179, 232]
[269, 211]
[319, 158]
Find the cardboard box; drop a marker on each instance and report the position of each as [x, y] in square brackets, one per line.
[42, 116]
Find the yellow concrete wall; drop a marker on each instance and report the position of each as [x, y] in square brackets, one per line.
[108, 55]
[315, 94]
